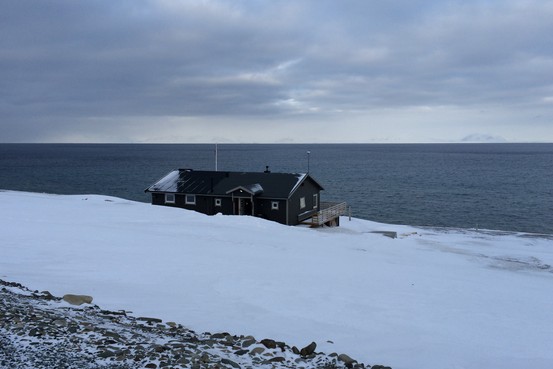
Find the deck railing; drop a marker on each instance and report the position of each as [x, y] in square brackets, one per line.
[329, 211]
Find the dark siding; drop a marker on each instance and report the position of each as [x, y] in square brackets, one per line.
[263, 209]
[307, 189]
[227, 207]
[204, 204]
[158, 199]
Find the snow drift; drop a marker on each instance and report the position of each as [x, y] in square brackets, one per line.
[427, 299]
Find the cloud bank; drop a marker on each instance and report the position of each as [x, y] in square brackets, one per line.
[243, 71]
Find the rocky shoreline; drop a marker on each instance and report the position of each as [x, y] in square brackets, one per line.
[41, 331]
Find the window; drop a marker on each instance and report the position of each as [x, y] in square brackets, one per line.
[274, 205]
[169, 198]
[190, 200]
[315, 201]
[217, 202]
[302, 202]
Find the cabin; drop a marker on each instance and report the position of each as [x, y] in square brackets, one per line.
[287, 198]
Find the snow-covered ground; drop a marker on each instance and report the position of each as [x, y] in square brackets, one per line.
[427, 299]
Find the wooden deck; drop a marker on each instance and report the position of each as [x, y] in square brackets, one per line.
[329, 214]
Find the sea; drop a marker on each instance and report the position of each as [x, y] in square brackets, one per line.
[507, 186]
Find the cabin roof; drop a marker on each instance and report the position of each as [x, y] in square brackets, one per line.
[263, 184]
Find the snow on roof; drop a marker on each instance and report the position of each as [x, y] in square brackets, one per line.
[300, 177]
[167, 183]
[254, 189]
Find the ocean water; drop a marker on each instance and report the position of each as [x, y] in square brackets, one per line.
[485, 186]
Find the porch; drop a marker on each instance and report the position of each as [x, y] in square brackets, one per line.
[329, 214]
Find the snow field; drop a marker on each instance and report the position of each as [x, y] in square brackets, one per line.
[427, 299]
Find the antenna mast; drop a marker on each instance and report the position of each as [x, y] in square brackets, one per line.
[216, 154]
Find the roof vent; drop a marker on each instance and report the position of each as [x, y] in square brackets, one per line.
[267, 169]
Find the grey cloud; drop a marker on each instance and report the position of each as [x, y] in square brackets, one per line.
[66, 60]
[100, 62]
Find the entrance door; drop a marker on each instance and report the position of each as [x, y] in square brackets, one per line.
[242, 206]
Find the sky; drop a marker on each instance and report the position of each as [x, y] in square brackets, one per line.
[232, 71]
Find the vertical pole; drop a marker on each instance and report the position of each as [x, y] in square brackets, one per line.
[216, 154]
[308, 154]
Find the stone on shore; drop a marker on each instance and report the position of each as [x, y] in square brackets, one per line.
[77, 299]
[309, 349]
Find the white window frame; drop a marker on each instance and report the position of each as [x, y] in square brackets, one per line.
[302, 202]
[274, 205]
[315, 201]
[169, 198]
[190, 199]
[218, 202]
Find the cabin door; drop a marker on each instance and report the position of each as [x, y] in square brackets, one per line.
[242, 206]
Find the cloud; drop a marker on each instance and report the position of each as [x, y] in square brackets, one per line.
[66, 64]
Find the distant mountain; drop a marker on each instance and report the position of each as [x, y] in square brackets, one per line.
[483, 137]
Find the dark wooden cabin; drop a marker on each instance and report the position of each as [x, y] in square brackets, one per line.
[287, 198]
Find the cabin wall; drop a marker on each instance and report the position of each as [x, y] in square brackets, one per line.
[307, 189]
[264, 209]
[226, 208]
[204, 204]
[158, 199]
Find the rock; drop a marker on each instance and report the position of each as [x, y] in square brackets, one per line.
[113, 335]
[295, 350]
[77, 299]
[346, 359]
[73, 329]
[109, 312]
[204, 358]
[229, 340]
[149, 320]
[151, 366]
[269, 343]
[241, 352]
[231, 363]
[47, 295]
[248, 342]
[257, 350]
[158, 348]
[183, 361]
[219, 336]
[106, 353]
[277, 359]
[60, 323]
[309, 349]
[380, 367]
